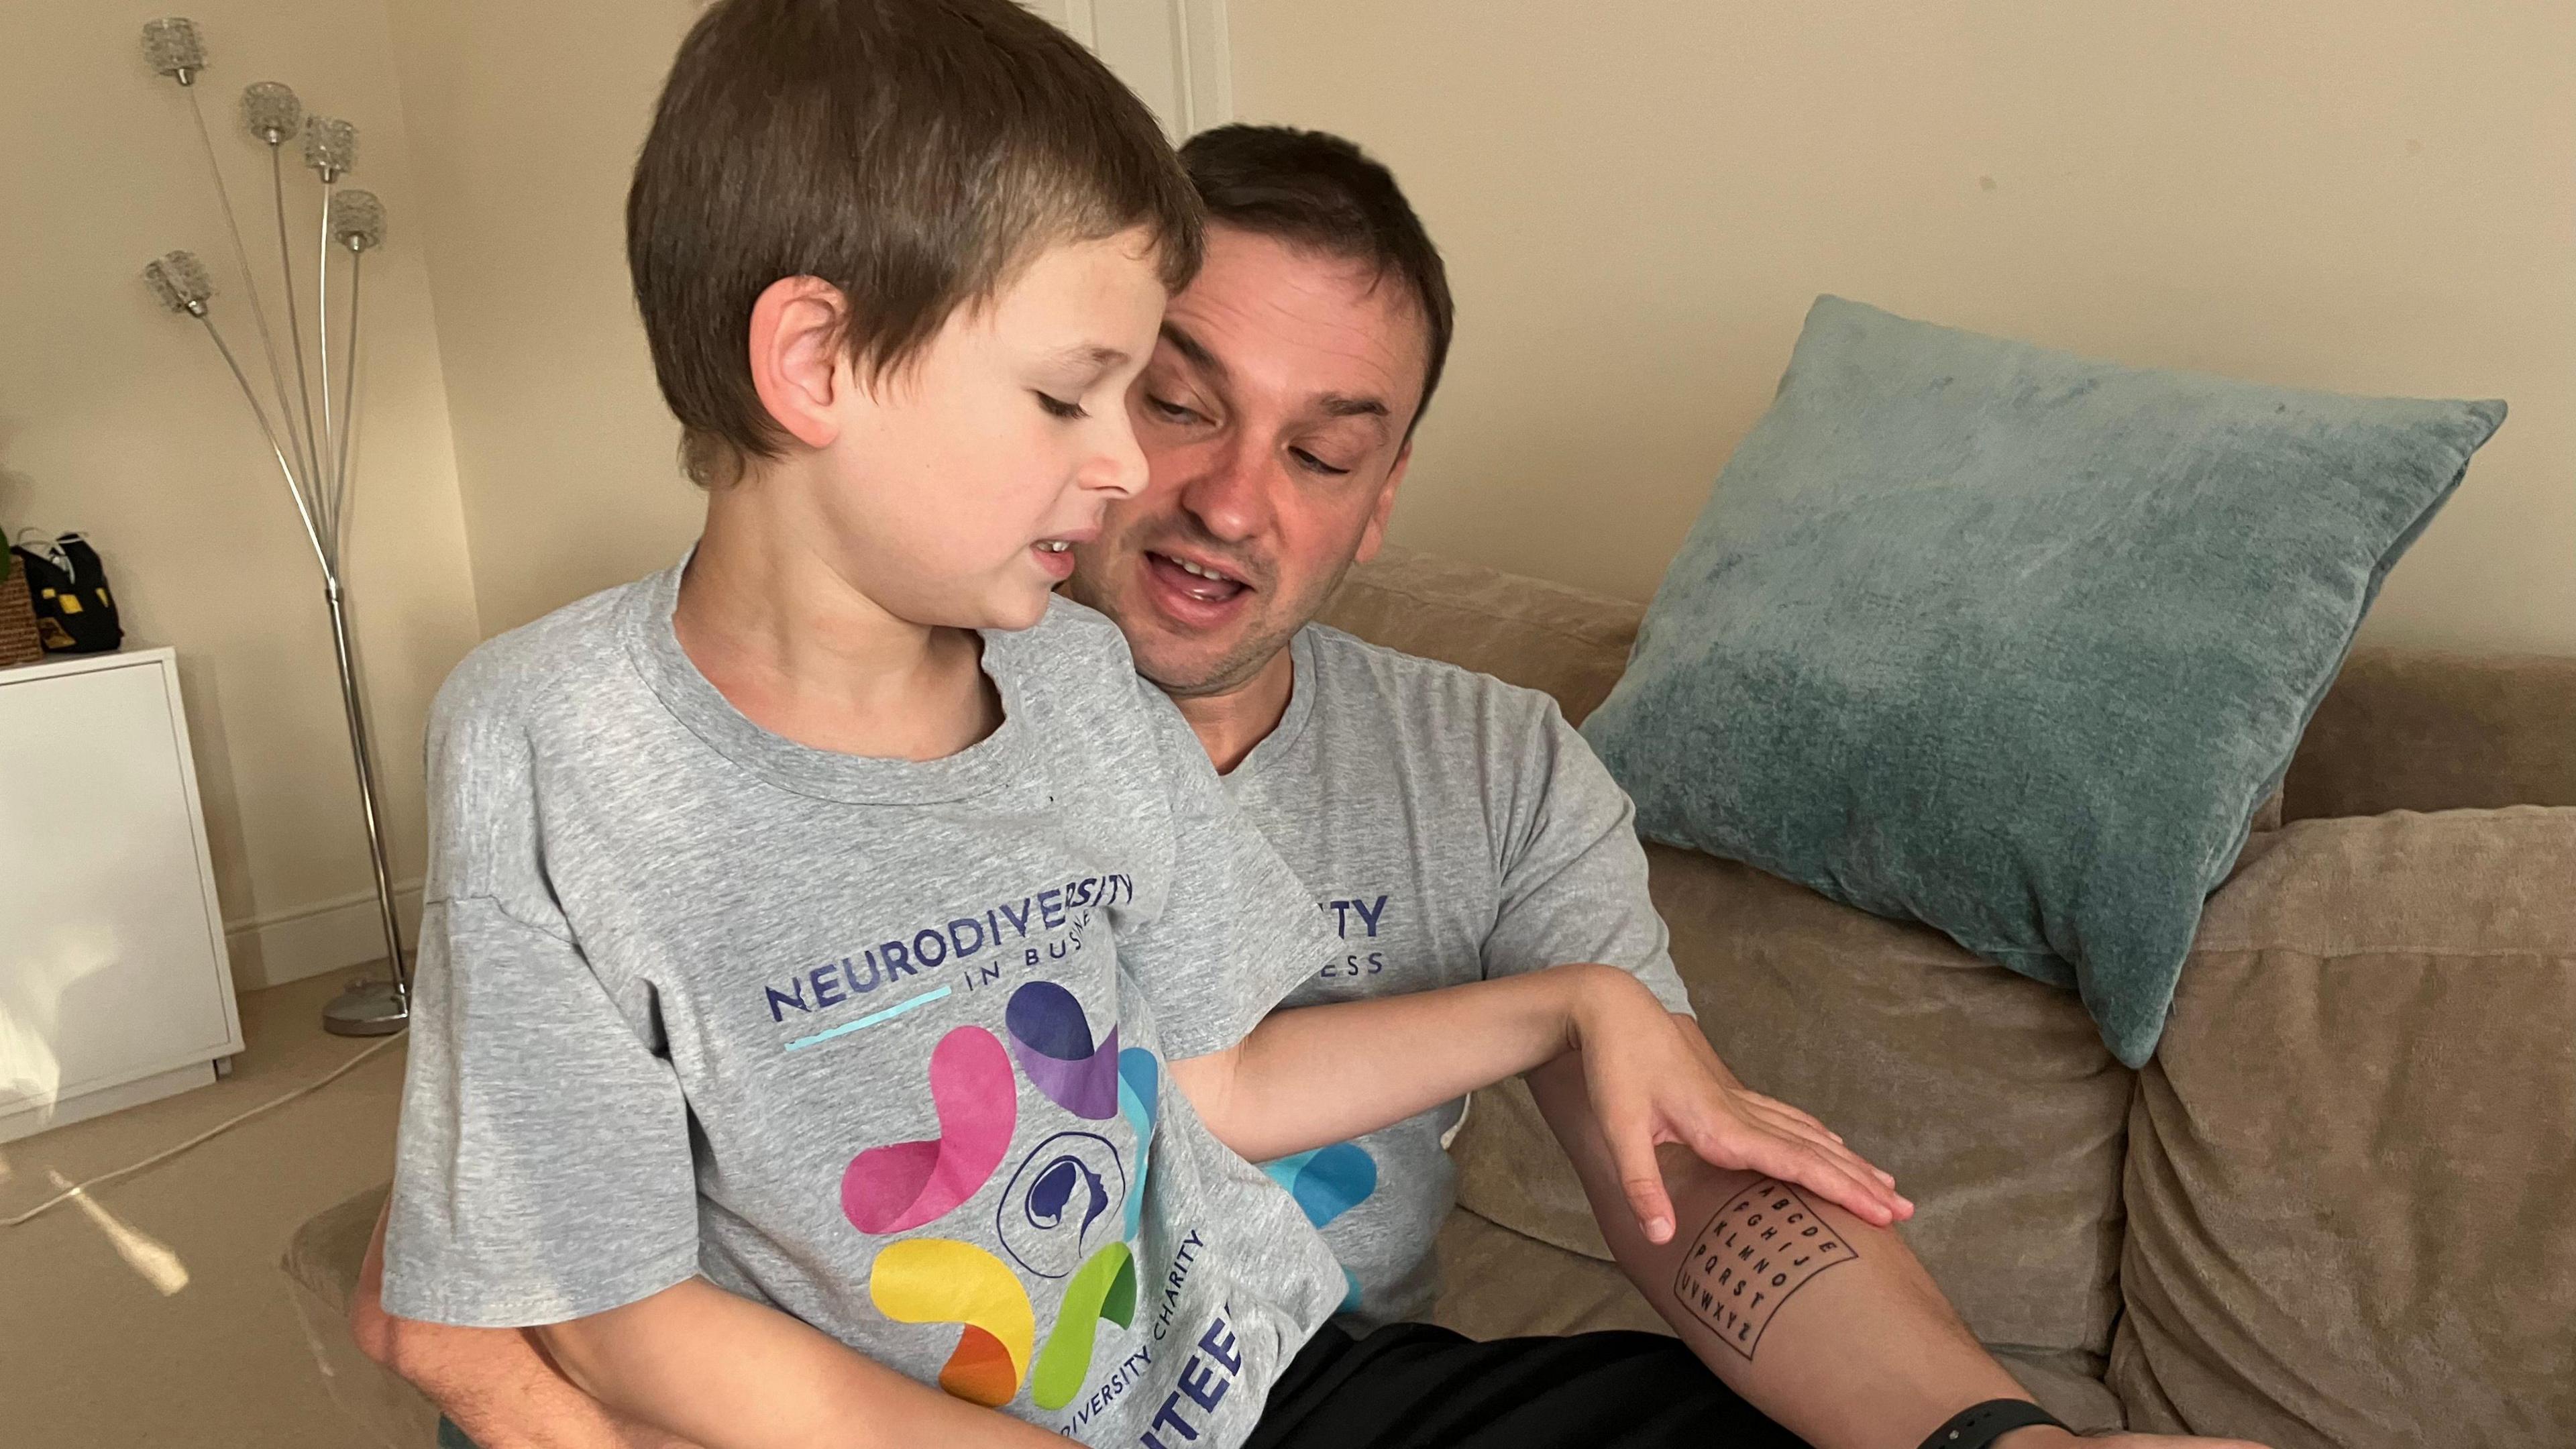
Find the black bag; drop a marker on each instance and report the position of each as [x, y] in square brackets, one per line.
[68, 585]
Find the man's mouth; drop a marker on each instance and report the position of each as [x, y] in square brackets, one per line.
[1198, 582]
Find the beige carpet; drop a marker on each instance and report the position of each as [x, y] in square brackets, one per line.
[153, 1313]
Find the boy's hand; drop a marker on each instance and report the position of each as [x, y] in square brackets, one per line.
[1653, 1078]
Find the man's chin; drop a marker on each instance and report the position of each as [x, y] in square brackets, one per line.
[1185, 673]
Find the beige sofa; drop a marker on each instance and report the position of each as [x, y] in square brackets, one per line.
[2338, 1208]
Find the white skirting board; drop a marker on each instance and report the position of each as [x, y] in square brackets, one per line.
[336, 935]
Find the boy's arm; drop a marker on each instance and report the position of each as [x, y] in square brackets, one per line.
[643, 1377]
[1827, 1324]
[1287, 1086]
[729, 1373]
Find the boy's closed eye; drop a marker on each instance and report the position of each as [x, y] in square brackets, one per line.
[1072, 374]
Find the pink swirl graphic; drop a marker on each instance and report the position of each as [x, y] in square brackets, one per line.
[899, 1187]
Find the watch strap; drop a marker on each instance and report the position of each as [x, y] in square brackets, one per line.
[1979, 1425]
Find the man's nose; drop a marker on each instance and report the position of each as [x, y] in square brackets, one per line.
[1230, 494]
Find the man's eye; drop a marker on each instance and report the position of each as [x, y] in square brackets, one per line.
[1313, 464]
[1058, 407]
[1170, 412]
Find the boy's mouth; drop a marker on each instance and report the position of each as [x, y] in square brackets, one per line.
[1055, 555]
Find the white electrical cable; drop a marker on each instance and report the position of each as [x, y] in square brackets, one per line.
[131, 1168]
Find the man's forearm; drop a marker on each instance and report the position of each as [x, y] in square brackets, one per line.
[1826, 1324]
[494, 1383]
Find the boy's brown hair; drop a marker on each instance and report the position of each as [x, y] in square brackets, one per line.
[911, 153]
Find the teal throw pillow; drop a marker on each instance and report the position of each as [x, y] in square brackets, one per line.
[2012, 642]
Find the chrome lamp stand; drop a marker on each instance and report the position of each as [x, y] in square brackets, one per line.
[311, 446]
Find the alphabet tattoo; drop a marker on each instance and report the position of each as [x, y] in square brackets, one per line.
[1765, 1244]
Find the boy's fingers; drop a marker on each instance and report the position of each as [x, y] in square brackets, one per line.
[1800, 1130]
[1799, 1125]
[1810, 1166]
[1793, 1113]
[1641, 1178]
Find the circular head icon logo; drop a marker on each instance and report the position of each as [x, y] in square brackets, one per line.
[1064, 1200]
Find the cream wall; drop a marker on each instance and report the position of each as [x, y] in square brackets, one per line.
[118, 419]
[1638, 200]
[527, 119]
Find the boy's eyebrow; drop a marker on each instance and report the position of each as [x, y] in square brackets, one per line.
[1089, 356]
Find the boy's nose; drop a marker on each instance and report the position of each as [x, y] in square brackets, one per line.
[1120, 469]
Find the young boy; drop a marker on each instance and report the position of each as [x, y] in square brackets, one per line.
[827, 992]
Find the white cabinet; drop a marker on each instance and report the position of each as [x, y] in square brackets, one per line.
[114, 987]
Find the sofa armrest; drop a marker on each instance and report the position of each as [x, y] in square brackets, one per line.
[321, 1264]
[2410, 729]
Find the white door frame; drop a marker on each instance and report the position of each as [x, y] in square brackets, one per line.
[1201, 56]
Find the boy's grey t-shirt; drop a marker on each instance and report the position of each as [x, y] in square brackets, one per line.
[1451, 827]
[880, 1043]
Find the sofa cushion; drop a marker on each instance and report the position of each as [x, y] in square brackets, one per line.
[2013, 642]
[2413, 729]
[2352, 1166]
[1987, 1094]
[1538, 635]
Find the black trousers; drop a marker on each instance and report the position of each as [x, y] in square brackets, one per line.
[1414, 1386]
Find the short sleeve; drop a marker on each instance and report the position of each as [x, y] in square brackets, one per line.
[543, 1169]
[1573, 872]
[1237, 930]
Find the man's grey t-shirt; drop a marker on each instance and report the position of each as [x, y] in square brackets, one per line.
[878, 1042]
[1452, 827]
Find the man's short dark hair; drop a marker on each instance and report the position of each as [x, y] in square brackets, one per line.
[912, 153]
[1317, 190]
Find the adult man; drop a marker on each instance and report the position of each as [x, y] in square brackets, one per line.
[1454, 828]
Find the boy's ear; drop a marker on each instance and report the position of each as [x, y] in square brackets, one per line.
[1374, 536]
[797, 356]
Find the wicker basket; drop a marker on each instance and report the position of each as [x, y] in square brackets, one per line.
[19, 641]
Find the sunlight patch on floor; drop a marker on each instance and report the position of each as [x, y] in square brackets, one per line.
[149, 1257]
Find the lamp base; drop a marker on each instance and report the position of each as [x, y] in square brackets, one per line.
[367, 1008]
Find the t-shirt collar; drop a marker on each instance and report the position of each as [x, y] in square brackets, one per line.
[1302, 685]
[998, 760]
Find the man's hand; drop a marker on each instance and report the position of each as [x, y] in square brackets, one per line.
[1652, 1078]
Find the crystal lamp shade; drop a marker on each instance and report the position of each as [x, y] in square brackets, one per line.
[357, 219]
[173, 46]
[271, 111]
[179, 280]
[330, 146]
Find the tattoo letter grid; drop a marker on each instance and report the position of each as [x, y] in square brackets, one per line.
[1764, 1245]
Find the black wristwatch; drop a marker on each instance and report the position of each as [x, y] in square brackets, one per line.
[1979, 1425]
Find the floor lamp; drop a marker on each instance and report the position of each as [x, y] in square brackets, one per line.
[310, 445]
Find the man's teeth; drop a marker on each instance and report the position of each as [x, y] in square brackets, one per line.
[1188, 567]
